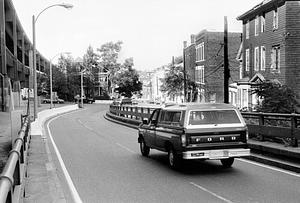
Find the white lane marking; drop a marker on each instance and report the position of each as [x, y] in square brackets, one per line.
[79, 121]
[72, 188]
[122, 146]
[270, 167]
[210, 192]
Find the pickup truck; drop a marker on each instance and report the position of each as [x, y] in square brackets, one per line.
[195, 131]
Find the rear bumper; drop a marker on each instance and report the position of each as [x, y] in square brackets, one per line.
[216, 154]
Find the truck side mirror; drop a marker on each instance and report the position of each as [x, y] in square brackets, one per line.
[145, 121]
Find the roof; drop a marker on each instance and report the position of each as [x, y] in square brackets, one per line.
[259, 7]
[198, 106]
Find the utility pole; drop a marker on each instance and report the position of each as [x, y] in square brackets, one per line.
[226, 66]
[184, 71]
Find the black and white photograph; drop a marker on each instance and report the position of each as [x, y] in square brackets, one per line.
[137, 101]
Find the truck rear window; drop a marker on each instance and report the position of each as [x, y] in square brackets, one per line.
[213, 117]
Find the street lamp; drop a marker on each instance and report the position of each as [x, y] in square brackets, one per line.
[34, 20]
[80, 62]
[51, 98]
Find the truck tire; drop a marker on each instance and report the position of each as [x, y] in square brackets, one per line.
[227, 163]
[145, 150]
[173, 159]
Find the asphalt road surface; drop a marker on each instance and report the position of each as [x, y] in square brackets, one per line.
[105, 165]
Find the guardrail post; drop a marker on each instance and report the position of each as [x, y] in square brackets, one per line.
[261, 123]
[294, 141]
[17, 174]
[142, 113]
[136, 113]
[131, 110]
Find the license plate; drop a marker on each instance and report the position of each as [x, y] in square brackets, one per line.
[216, 154]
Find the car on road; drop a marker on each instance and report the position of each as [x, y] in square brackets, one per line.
[55, 101]
[195, 131]
[124, 101]
[88, 100]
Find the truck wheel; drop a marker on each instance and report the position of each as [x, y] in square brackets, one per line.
[145, 150]
[227, 163]
[173, 159]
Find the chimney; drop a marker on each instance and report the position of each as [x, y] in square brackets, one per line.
[184, 44]
[192, 39]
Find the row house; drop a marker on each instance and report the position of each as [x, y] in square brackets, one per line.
[152, 82]
[204, 64]
[270, 49]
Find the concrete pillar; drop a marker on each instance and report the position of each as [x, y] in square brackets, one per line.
[3, 43]
[15, 41]
[3, 68]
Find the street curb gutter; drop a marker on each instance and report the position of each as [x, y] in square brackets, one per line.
[280, 163]
[42, 183]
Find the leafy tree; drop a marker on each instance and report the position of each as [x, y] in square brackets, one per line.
[108, 57]
[276, 98]
[127, 79]
[42, 84]
[90, 63]
[173, 83]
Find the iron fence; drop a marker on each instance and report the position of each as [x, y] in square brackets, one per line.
[261, 125]
[13, 173]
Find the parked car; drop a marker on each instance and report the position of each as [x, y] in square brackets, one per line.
[88, 100]
[126, 101]
[55, 101]
[195, 131]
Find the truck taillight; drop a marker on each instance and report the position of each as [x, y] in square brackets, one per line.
[183, 140]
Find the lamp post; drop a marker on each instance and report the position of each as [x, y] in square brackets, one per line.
[79, 61]
[51, 77]
[34, 20]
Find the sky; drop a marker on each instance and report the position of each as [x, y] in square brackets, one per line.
[152, 31]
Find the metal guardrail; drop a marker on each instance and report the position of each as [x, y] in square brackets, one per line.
[262, 125]
[12, 174]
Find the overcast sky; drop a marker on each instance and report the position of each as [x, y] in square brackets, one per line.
[152, 31]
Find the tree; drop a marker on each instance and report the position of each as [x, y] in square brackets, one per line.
[90, 63]
[42, 84]
[127, 79]
[173, 83]
[276, 98]
[108, 57]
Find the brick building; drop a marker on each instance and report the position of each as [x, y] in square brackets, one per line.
[204, 61]
[271, 46]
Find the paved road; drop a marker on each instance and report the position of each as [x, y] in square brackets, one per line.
[105, 165]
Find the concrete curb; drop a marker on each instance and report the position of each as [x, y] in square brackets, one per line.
[42, 183]
[254, 146]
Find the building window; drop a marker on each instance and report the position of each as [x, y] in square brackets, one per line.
[199, 74]
[200, 52]
[247, 30]
[275, 58]
[212, 97]
[275, 19]
[247, 60]
[244, 102]
[256, 58]
[263, 58]
[262, 23]
[256, 26]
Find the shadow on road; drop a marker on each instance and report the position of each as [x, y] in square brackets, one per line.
[191, 167]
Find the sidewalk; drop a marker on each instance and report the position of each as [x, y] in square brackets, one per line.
[42, 183]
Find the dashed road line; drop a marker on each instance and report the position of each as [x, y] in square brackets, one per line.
[79, 121]
[126, 148]
[210, 192]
